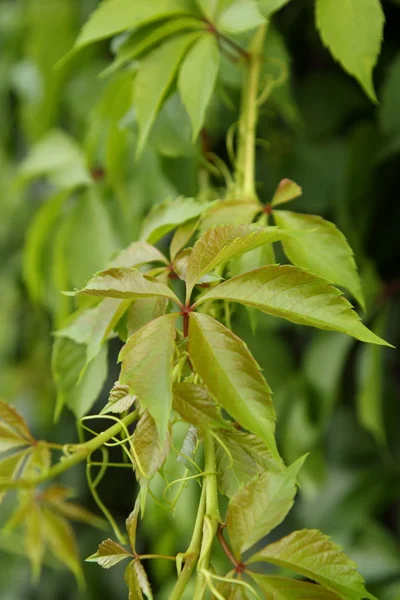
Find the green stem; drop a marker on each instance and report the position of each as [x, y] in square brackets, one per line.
[212, 517]
[245, 170]
[80, 455]
[193, 551]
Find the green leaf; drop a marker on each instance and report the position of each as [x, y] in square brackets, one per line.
[268, 7]
[181, 237]
[108, 554]
[144, 310]
[195, 406]
[241, 15]
[230, 212]
[165, 217]
[77, 387]
[125, 283]
[35, 255]
[35, 542]
[143, 579]
[240, 457]
[369, 399]
[355, 38]
[55, 496]
[260, 506]
[137, 581]
[131, 524]
[147, 359]
[151, 453]
[313, 555]
[155, 77]
[115, 16]
[57, 156]
[324, 250]
[389, 116]
[197, 79]
[296, 295]
[232, 376]
[14, 431]
[119, 400]
[138, 253]
[188, 449]
[286, 191]
[61, 539]
[221, 244]
[280, 588]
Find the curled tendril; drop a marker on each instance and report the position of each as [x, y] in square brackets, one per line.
[209, 576]
[184, 479]
[273, 82]
[224, 446]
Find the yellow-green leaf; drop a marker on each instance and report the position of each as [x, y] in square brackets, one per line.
[313, 555]
[150, 452]
[232, 376]
[125, 283]
[194, 404]
[294, 294]
[286, 191]
[138, 253]
[147, 368]
[260, 506]
[108, 554]
[324, 250]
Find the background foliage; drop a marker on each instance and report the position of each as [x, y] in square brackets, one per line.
[63, 128]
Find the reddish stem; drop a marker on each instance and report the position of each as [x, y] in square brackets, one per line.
[239, 566]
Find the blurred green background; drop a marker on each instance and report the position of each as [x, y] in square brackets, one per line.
[339, 400]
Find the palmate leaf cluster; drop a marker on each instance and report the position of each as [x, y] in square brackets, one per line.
[168, 300]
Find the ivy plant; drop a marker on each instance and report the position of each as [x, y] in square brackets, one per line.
[189, 389]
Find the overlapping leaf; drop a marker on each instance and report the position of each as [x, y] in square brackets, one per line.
[194, 404]
[147, 368]
[324, 250]
[125, 283]
[260, 506]
[296, 295]
[150, 451]
[280, 588]
[136, 254]
[315, 556]
[232, 376]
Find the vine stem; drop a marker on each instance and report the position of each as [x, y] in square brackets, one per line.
[193, 552]
[212, 517]
[245, 169]
[85, 450]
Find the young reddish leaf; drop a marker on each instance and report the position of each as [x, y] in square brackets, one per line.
[296, 295]
[195, 406]
[315, 556]
[232, 376]
[156, 73]
[165, 217]
[286, 191]
[119, 400]
[151, 453]
[138, 253]
[125, 283]
[260, 506]
[147, 368]
[240, 457]
[221, 244]
[108, 554]
[324, 250]
[197, 79]
[280, 588]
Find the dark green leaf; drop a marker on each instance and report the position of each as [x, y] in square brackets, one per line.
[280, 588]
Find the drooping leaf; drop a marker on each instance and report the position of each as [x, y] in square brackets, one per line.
[143, 579]
[268, 7]
[116, 16]
[315, 556]
[195, 406]
[147, 368]
[240, 15]
[132, 581]
[324, 250]
[108, 554]
[296, 295]
[224, 243]
[138, 253]
[240, 457]
[61, 540]
[35, 540]
[286, 191]
[165, 217]
[369, 399]
[125, 283]
[150, 451]
[156, 74]
[131, 524]
[280, 588]
[119, 400]
[232, 376]
[197, 78]
[355, 38]
[260, 506]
